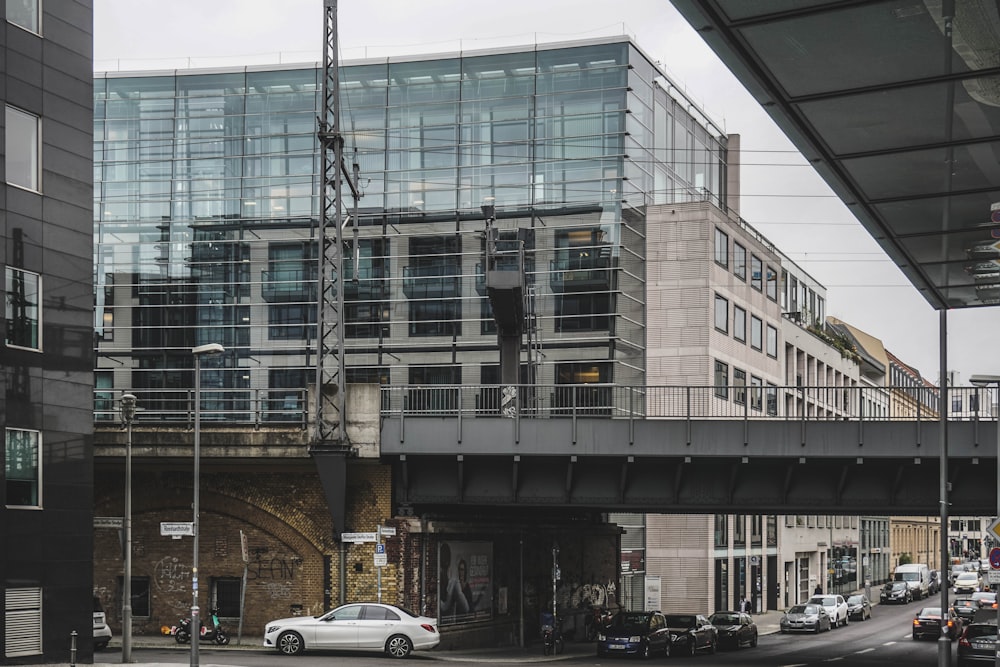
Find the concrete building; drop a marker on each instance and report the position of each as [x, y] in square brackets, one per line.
[46, 520]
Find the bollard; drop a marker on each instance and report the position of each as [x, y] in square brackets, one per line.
[72, 649]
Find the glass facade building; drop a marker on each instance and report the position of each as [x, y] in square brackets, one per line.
[208, 196]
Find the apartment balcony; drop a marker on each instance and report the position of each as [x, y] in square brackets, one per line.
[581, 274]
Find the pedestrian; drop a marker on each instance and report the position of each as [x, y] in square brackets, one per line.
[819, 590]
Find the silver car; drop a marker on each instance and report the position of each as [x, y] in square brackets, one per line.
[805, 618]
[360, 626]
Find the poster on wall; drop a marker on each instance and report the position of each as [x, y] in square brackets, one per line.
[465, 581]
[652, 593]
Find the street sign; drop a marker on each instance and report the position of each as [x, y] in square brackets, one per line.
[177, 528]
[994, 528]
[357, 538]
[380, 548]
[387, 531]
[993, 576]
[995, 558]
[108, 522]
[381, 560]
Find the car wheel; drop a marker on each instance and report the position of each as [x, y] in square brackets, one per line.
[692, 646]
[101, 646]
[290, 643]
[713, 647]
[753, 641]
[646, 651]
[399, 646]
[847, 621]
[666, 649]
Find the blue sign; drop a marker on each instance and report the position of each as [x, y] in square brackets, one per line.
[995, 558]
[380, 549]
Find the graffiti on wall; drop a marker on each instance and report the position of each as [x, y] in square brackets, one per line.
[172, 576]
[267, 565]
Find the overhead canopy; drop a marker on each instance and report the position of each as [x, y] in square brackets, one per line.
[898, 108]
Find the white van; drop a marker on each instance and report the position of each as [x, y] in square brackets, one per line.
[917, 577]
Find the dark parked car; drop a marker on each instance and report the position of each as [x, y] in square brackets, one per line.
[690, 633]
[965, 608]
[642, 633]
[859, 608]
[976, 645]
[896, 592]
[808, 617]
[736, 629]
[927, 623]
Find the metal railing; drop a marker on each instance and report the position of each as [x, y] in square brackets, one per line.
[743, 402]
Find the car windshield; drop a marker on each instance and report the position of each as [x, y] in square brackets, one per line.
[898, 586]
[826, 602]
[930, 612]
[908, 576]
[968, 576]
[724, 619]
[680, 621]
[855, 599]
[984, 631]
[631, 622]
[804, 609]
[964, 602]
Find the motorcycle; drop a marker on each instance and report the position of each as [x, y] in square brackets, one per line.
[182, 631]
[552, 639]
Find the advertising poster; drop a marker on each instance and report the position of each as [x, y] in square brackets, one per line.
[652, 602]
[465, 580]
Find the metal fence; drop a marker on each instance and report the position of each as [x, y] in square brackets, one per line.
[743, 402]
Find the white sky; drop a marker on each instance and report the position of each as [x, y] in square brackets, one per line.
[781, 196]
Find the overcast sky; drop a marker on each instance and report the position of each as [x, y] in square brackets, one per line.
[781, 196]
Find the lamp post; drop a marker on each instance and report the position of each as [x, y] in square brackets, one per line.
[128, 414]
[985, 381]
[198, 352]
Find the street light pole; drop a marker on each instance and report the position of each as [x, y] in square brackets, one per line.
[128, 414]
[985, 381]
[198, 352]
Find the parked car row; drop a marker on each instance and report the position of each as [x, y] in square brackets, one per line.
[825, 612]
[647, 633]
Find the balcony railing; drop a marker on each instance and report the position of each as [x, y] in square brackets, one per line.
[279, 406]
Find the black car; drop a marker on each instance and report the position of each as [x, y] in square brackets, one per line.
[690, 633]
[965, 608]
[641, 633]
[896, 592]
[976, 645]
[735, 629]
[859, 608]
[927, 623]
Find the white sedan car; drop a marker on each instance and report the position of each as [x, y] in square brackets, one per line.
[968, 582]
[836, 608]
[359, 626]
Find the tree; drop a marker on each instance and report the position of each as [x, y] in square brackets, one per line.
[905, 558]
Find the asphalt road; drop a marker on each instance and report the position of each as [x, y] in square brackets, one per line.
[885, 639]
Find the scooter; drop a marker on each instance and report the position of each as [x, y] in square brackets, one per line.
[182, 631]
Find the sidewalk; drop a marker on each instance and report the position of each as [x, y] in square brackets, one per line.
[767, 623]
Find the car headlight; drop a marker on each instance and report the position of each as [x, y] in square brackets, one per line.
[635, 638]
[271, 628]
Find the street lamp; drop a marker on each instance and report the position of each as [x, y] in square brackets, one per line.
[128, 414]
[198, 352]
[985, 381]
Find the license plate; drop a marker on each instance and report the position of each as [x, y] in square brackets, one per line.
[982, 645]
[616, 646]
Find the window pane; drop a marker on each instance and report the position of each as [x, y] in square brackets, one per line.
[739, 261]
[21, 301]
[756, 332]
[772, 284]
[721, 248]
[21, 468]
[756, 273]
[21, 159]
[772, 341]
[23, 13]
[739, 386]
[721, 314]
[721, 379]
[739, 324]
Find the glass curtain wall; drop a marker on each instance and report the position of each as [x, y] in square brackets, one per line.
[208, 198]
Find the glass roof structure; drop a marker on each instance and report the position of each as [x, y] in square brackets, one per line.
[897, 105]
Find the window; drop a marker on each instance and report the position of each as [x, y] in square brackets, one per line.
[772, 399]
[956, 402]
[739, 386]
[756, 273]
[756, 333]
[721, 530]
[772, 341]
[23, 13]
[21, 299]
[140, 595]
[721, 380]
[22, 468]
[756, 396]
[739, 324]
[721, 314]
[21, 159]
[226, 596]
[772, 284]
[22, 622]
[739, 261]
[739, 530]
[721, 248]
